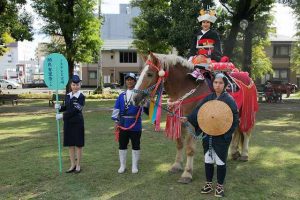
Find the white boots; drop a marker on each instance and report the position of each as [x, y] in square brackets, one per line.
[122, 156]
[135, 160]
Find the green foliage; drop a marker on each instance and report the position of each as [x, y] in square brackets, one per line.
[166, 24]
[261, 63]
[103, 96]
[15, 23]
[149, 28]
[34, 96]
[295, 57]
[73, 27]
[295, 5]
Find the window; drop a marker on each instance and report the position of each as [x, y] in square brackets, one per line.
[92, 74]
[281, 51]
[276, 74]
[283, 74]
[106, 79]
[128, 57]
[280, 74]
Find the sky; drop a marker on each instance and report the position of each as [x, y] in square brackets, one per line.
[284, 20]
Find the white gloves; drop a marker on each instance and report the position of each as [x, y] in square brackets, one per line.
[57, 106]
[59, 116]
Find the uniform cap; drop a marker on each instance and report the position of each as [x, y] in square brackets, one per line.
[130, 75]
[75, 79]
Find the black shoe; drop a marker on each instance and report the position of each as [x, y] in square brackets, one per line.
[207, 188]
[219, 191]
[77, 171]
[71, 170]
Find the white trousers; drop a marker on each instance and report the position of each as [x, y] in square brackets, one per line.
[214, 159]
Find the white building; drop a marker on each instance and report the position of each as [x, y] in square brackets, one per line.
[17, 62]
[119, 56]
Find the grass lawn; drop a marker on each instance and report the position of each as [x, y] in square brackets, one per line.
[29, 160]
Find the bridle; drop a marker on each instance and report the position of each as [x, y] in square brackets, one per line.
[162, 74]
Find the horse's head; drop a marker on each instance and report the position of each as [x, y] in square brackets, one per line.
[148, 79]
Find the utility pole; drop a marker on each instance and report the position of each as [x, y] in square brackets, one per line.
[99, 68]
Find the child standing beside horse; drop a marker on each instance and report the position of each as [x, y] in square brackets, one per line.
[128, 124]
[216, 147]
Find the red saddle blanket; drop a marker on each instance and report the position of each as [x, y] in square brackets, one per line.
[246, 99]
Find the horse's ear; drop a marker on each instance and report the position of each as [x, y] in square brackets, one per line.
[144, 57]
[153, 58]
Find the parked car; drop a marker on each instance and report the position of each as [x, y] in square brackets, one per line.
[111, 85]
[9, 84]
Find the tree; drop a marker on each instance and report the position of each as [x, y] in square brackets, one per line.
[74, 29]
[15, 23]
[166, 24]
[261, 64]
[149, 28]
[257, 13]
[295, 55]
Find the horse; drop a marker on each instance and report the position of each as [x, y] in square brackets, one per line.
[172, 71]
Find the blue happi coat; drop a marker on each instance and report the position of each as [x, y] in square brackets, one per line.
[125, 113]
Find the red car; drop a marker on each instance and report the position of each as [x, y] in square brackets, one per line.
[283, 88]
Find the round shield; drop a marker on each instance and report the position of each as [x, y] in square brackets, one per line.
[215, 118]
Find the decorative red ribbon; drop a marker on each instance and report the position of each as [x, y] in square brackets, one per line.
[118, 127]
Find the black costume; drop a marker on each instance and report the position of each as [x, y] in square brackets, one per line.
[216, 52]
[73, 119]
[219, 144]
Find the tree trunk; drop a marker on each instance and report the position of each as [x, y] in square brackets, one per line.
[71, 72]
[248, 49]
[230, 42]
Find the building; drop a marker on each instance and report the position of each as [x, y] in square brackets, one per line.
[16, 63]
[118, 56]
[280, 56]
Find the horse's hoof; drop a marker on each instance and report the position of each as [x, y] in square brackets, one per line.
[236, 155]
[184, 180]
[243, 158]
[174, 170]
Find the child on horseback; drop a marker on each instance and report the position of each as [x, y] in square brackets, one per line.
[206, 45]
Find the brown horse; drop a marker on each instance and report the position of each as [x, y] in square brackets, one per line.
[178, 86]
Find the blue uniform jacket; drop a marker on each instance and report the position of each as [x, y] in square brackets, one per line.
[72, 110]
[126, 117]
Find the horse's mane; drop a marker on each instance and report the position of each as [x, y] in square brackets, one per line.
[171, 60]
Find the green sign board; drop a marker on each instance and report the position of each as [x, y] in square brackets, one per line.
[56, 77]
[56, 74]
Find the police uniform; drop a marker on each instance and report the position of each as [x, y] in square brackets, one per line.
[73, 118]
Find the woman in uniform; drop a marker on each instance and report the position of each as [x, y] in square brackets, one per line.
[73, 123]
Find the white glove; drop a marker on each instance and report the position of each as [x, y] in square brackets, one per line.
[57, 106]
[59, 116]
[190, 59]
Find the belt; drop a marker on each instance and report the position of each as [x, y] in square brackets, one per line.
[129, 117]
